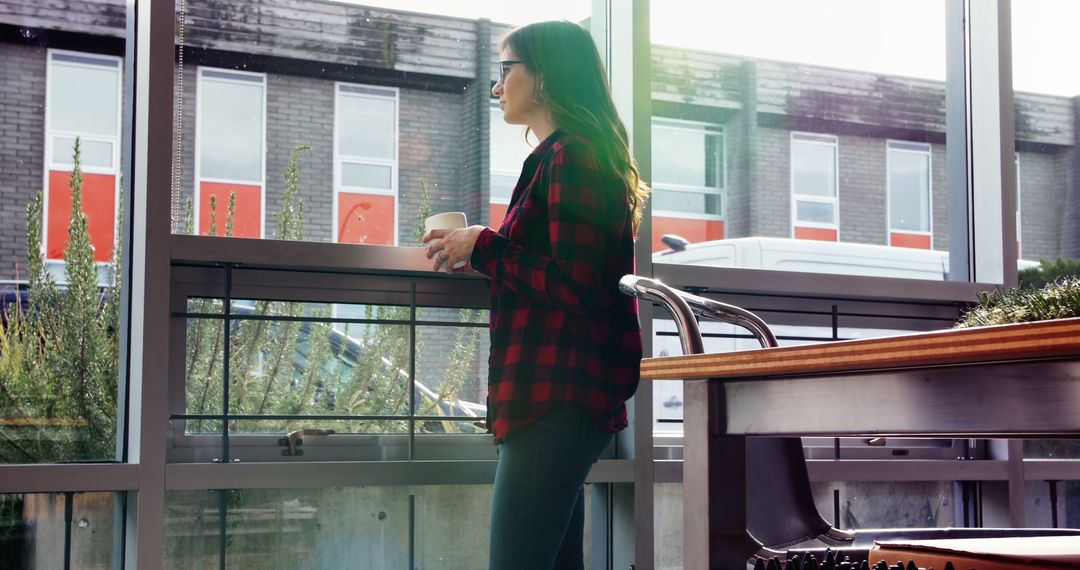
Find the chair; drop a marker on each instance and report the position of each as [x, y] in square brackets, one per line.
[780, 504]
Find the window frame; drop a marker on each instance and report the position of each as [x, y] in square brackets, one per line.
[199, 108]
[50, 134]
[340, 159]
[820, 139]
[928, 152]
[721, 191]
[1019, 207]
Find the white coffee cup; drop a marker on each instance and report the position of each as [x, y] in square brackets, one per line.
[447, 221]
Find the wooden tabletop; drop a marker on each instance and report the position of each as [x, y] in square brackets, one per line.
[1024, 341]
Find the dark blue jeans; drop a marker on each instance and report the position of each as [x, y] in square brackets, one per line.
[537, 514]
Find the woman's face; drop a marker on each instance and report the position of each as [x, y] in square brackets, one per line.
[515, 90]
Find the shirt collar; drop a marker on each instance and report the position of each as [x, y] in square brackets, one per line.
[547, 143]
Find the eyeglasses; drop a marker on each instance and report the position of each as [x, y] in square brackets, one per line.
[504, 68]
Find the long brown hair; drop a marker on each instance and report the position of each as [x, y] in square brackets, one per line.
[573, 85]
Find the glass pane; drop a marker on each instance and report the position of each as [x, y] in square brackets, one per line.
[679, 156]
[686, 202]
[1052, 449]
[508, 147]
[59, 279]
[366, 126]
[231, 128]
[417, 104]
[909, 504]
[815, 212]
[450, 379]
[442, 545]
[288, 528]
[805, 106]
[813, 169]
[1046, 89]
[366, 176]
[33, 530]
[668, 526]
[84, 98]
[502, 186]
[94, 153]
[909, 191]
[288, 367]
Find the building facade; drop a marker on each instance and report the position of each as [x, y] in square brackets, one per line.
[384, 101]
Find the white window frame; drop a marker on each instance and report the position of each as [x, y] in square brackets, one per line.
[51, 134]
[1019, 186]
[709, 129]
[373, 92]
[822, 140]
[199, 106]
[896, 145]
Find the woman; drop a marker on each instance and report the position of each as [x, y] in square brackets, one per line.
[565, 343]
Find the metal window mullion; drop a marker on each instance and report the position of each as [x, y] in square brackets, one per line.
[225, 362]
[150, 220]
[622, 31]
[992, 197]
[412, 373]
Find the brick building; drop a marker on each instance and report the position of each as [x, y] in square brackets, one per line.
[386, 99]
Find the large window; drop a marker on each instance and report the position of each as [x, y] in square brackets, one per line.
[909, 195]
[688, 180]
[230, 165]
[82, 102]
[1046, 88]
[508, 152]
[814, 165]
[365, 164]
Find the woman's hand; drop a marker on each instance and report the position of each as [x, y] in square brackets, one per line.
[451, 247]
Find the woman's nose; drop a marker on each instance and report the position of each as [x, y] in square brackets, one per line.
[496, 89]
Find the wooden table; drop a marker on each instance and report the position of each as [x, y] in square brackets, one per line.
[1003, 381]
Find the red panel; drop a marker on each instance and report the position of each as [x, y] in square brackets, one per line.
[366, 218]
[819, 234]
[694, 230]
[496, 213]
[247, 220]
[99, 204]
[914, 241]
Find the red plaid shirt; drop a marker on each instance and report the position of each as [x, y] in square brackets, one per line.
[561, 331]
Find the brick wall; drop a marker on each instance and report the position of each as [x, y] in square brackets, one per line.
[300, 111]
[770, 208]
[22, 140]
[939, 200]
[862, 193]
[1070, 234]
[740, 135]
[1042, 199]
[430, 148]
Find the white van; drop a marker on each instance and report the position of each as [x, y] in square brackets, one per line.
[814, 257]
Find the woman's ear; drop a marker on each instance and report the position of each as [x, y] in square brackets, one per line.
[538, 92]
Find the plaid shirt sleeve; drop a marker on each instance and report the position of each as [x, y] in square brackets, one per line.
[570, 277]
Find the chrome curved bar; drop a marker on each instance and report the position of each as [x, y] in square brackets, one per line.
[679, 307]
[718, 311]
[675, 301]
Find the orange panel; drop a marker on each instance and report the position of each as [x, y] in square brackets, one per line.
[496, 213]
[99, 204]
[694, 230]
[819, 234]
[914, 241]
[247, 220]
[366, 218]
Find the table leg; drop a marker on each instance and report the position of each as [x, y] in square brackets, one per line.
[714, 484]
